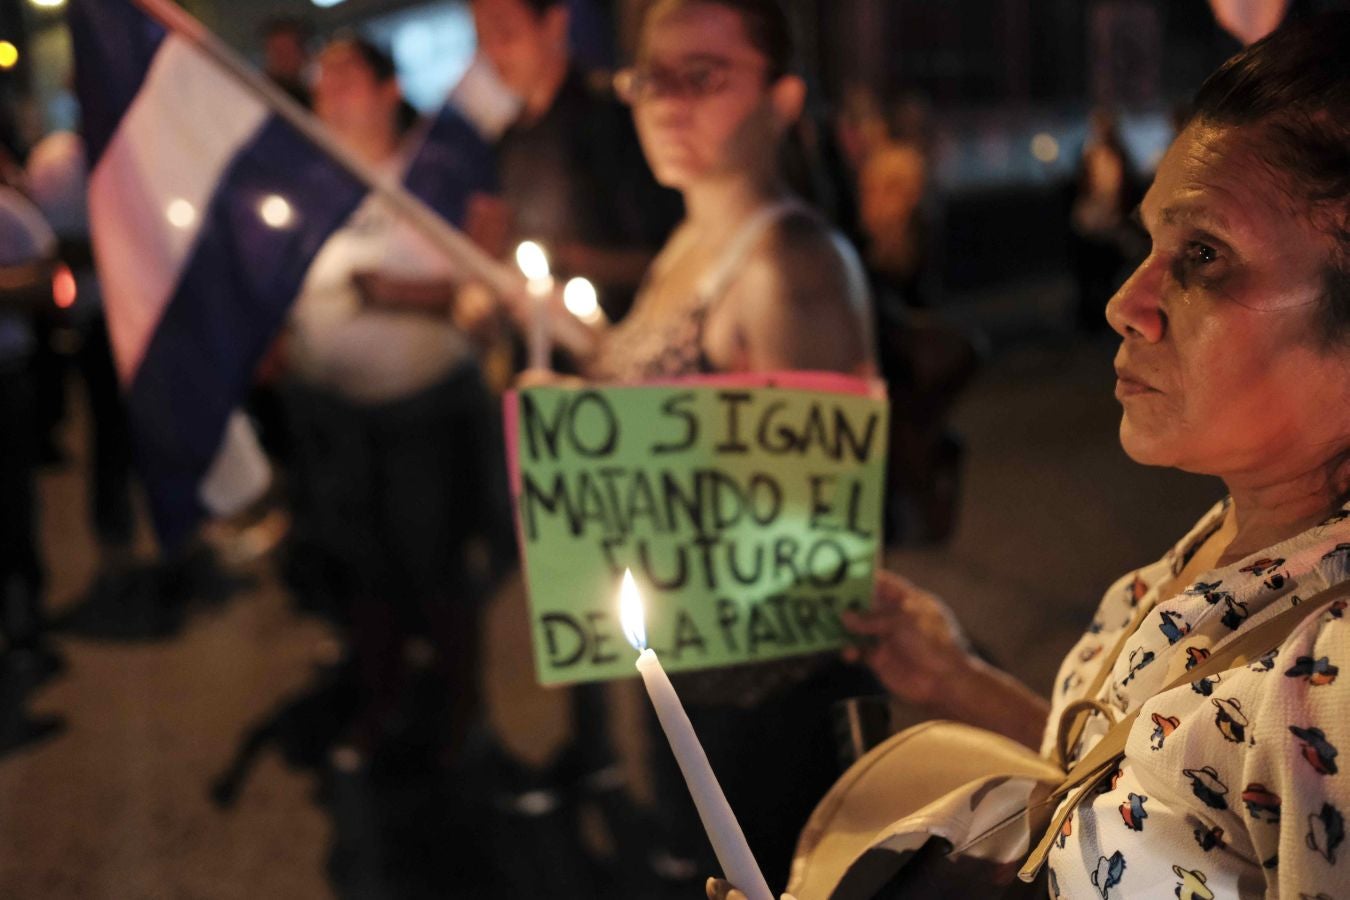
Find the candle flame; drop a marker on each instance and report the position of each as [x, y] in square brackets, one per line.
[582, 301]
[631, 615]
[533, 261]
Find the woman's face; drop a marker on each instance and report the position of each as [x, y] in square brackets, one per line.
[350, 100]
[1220, 370]
[705, 108]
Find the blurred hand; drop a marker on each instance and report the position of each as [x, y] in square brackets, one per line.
[718, 889]
[911, 640]
[476, 310]
[546, 378]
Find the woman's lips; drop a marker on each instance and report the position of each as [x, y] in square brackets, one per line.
[1129, 386]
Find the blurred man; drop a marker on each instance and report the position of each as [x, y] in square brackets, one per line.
[571, 167]
[286, 55]
[58, 184]
[27, 249]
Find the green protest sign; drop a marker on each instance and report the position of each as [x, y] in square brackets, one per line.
[748, 508]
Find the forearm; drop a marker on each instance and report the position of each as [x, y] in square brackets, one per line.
[981, 694]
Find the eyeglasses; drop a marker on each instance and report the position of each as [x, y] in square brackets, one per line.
[688, 82]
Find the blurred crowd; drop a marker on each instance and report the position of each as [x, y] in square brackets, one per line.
[728, 220]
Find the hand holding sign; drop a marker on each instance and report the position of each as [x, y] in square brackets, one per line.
[748, 507]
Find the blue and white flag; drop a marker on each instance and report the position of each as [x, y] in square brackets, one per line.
[206, 209]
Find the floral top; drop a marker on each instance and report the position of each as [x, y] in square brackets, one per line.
[1232, 786]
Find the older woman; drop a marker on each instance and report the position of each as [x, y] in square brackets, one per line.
[1234, 361]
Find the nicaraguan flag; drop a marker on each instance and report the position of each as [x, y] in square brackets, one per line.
[206, 210]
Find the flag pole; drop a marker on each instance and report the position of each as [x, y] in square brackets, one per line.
[463, 252]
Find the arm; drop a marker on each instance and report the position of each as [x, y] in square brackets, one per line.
[918, 651]
[1299, 753]
[802, 302]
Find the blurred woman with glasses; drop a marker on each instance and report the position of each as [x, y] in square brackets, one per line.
[752, 280]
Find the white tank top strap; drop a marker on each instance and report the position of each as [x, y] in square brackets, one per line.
[713, 285]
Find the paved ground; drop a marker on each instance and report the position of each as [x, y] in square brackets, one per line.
[117, 805]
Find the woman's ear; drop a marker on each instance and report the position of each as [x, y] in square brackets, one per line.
[788, 96]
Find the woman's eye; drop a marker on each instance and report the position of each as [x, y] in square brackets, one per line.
[1200, 254]
[701, 81]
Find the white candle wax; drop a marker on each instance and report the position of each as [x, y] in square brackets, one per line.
[533, 263]
[738, 863]
[540, 346]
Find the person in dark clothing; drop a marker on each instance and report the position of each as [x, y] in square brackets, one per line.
[27, 250]
[571, 169]
[393, 430]
[285, 46]
[1100, 231]
[58, 184]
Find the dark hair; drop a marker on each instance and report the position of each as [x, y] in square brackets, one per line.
[539, 7]
[286, 25]
[767, 27]
[1293, 89]
[381, 65]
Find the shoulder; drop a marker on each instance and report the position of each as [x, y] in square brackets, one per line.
[813, 264]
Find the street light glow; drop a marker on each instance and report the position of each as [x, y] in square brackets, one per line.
[180, 213]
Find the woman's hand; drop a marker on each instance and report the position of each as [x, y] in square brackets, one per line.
[717, 889]
[476, 311]
[919, 652]
[911, 640]
[530, 378]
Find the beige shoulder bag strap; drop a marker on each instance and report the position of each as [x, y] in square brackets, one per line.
[1104, 756]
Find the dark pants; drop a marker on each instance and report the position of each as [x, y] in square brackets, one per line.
[20, 568]
[405, 504]
[110, 479]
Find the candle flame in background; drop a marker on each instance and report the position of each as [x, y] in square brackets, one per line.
[631, 615]
[63, 287]
[581, 300]
[533, 261]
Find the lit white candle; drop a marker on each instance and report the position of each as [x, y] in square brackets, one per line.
[728, 841]
[533, 263]
[582, 301]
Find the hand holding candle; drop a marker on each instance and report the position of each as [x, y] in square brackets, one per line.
[728, 841]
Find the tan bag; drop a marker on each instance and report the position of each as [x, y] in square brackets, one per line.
[948, 810]
[855, 844]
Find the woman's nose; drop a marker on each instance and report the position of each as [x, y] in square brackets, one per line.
[1136, 309]
[667, 112]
